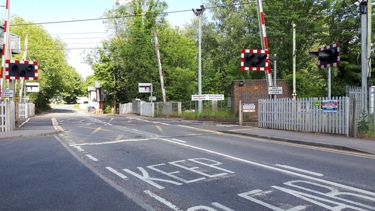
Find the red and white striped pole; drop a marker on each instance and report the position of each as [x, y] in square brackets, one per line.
[23, 59]
[5, 52]
[264, 38]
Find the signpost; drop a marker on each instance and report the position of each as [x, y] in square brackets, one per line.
[32, 87]
[329, 105]
[275, 90]
[153, 98]
[248, 107]
[146, 88]
[207, 97]
[7, 93]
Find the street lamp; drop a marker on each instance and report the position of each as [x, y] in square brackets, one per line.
[199, 12]
[364, 69]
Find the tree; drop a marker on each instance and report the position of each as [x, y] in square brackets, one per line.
[56, 77]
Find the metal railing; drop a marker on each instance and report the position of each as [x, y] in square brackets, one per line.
[304, 114]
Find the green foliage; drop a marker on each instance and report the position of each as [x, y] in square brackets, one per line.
[108, 109]
[365, 123]
[129, 56]
[56, 77]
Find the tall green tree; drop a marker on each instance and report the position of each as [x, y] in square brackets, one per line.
[130, 57]
[56, 77]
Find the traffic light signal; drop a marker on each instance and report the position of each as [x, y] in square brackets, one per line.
[254, 60]
[24, 70]
[328, 56]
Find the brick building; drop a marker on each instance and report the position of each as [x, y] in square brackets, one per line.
[249, 91]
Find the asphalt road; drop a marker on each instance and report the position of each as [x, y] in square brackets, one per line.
[137, 163]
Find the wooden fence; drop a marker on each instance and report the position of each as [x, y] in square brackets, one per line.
[304, 114]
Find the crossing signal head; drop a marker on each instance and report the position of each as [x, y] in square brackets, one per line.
[255, 59]
[21, 70]
[328, 56]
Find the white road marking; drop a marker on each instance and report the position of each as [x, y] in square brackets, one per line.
[318, 200]
[92, 158]
[273, 168]
[173, 139]
[334, 193]
[115, 142]
[162, 200]
[78, 148]
[171, 174]
[116, 172]
[201, 207]
[300, 170]
[247, 196]
[150, 180]
[27, 121]
[222, 206]
[199, 129]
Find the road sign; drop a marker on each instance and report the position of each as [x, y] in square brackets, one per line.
[7, 93]
[329, 105]
[32, 87]
[144, 87]
[153, 98]
[275, 90]
[248, 107]
[207, 97]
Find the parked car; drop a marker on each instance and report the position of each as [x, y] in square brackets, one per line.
[90, 108]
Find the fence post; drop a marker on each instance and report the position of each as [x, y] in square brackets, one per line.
[179, 108]
[354, 123]
[240, 113]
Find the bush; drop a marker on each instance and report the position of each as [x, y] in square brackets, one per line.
[108, 109]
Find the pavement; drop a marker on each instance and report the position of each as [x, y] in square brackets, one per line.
[34, 127]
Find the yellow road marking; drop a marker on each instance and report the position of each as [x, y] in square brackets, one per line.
[159, 128]
[95, 128]
[95, 131]
[118, 138]
[56, 124]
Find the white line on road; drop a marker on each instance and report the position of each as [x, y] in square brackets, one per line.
[164, 201]
[218, 205]
[78, 148]
[92, 158]
[199, 129]
[115, 142]
[173, 139]
[273, 168]
[300, 170]
[27, 121]
[116, 172]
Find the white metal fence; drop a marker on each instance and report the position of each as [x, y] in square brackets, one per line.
[7, 116]
[302, 115]
[26, 110]
[150, 109]
[125, 108]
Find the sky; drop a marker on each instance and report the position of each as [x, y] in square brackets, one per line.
[81, 36]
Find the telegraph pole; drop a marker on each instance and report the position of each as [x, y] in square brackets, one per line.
[294, 61]
[160, 68]
[199, 12]
[369, 19]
